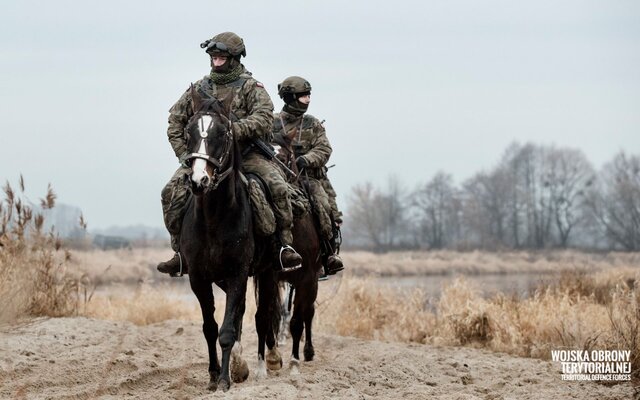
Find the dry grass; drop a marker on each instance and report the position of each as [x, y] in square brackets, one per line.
[120, 266]
[445, 262]
[624, 314]
[34, 279]
[144, 305]
[578, 311]
[147, 304]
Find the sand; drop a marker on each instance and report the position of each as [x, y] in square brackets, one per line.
[81, 358]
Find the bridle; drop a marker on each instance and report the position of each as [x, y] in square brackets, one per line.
[226, 158]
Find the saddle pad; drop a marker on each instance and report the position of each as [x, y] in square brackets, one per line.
[263, 217]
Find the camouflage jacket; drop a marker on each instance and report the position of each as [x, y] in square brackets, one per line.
[251, 106]
[307, 138]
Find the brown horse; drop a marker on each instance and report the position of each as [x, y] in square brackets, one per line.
[304, 283]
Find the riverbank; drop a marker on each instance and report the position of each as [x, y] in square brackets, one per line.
[134, 265]
[83, 358]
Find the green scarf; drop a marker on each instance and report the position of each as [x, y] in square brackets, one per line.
[295, 108]
[224, 78]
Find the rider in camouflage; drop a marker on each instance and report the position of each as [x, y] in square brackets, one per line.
[252, 113]
[309, 149]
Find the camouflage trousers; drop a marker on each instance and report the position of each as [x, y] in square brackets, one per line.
[174, 197]
[322, 207]
[331, 195]
[271, 174]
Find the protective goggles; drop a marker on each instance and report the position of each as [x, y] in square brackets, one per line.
[211, 46]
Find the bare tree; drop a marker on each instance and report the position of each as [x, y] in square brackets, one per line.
[615, 201]
[376, 216]
[536, 197]
[486, 208]
[533, 198]
[437, 211]
[569, 174]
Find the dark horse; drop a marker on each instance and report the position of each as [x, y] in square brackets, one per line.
[304, 282]
[217, 238]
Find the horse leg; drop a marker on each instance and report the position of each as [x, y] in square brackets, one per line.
[262, 322]
[309, 313]
[238, 321]
[274, 359]
[231, 348]
[239, 369]
[267, 315]
[308, 320]
[204, 293]
[285, 313]
[296, 326]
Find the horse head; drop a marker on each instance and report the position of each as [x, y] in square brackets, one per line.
[210, 143]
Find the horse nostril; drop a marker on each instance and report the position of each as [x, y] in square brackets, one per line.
[205, 181]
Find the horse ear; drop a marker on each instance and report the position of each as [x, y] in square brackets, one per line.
[226, 102]
[196, 99]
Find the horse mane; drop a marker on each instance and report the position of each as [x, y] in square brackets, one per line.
[236, 160]
[202, 104]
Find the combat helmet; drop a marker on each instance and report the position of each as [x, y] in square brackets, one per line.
[225, 44]
[290, 90]
[293, 87]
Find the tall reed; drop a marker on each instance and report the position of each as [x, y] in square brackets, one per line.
[34, 279]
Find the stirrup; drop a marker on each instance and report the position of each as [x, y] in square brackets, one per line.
[179, 273]
[288, 269]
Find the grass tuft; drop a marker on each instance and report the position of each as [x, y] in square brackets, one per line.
[34, 280]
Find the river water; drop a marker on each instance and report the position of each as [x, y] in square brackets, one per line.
[488, 285]
[520, 285]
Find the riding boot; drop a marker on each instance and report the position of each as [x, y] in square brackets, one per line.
[287, 259]
[290, 260]
[176, 266]
[333, 262]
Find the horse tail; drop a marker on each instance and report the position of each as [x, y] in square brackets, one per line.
[268, 298]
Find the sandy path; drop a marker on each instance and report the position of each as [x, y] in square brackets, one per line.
[69, 358]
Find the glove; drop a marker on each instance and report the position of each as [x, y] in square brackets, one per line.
[184, 163]
[301, 163]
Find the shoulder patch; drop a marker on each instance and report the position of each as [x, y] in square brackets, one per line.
[259, 84]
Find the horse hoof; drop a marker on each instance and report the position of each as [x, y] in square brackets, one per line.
[308, 354]
[261, 371]
[293, 366]
[224, 384]
[213, 381]
[274, 360]
[240, 371]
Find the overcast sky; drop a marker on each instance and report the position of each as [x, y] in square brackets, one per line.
[406, 87]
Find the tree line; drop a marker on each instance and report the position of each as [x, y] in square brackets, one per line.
[536, 197]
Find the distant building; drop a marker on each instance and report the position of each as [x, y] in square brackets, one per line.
[111, 242]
